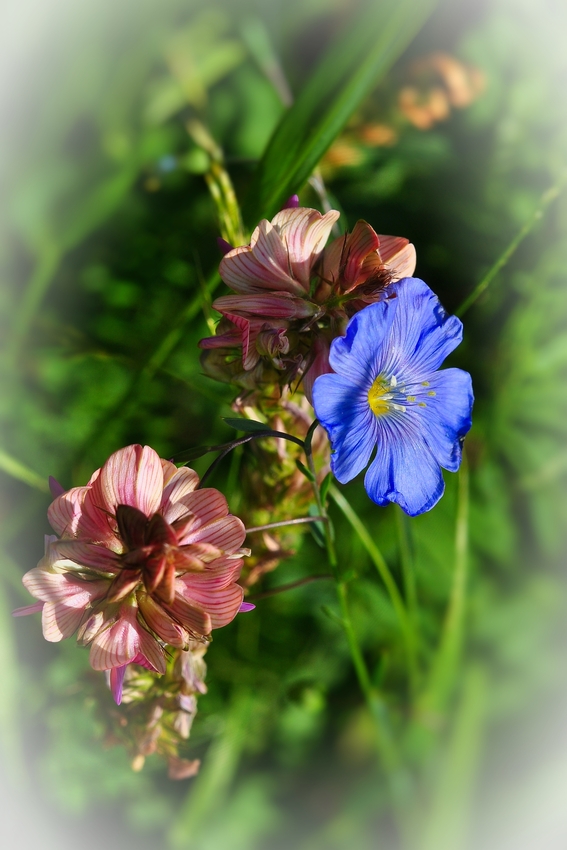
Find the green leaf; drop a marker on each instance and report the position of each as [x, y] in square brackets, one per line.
[316, 528]
[249, 425]
[193, 454]
[327, 481]
[332, 616]
[348, 71]
[302, 468]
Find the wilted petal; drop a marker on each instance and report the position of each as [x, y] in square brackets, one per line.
[124, 583]
[350, 252]
[319, 365]
[152, 651]
[189, 613]
[182, 768]
[161, 622]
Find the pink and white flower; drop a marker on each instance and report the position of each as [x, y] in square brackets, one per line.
[294, 295]
[142, 559]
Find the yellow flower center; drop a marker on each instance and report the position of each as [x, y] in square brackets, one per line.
[379, 396]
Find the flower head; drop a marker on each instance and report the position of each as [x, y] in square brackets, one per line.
[294, 295]
[386, 393]
[143, 559]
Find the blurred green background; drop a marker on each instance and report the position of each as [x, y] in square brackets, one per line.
[111, 113]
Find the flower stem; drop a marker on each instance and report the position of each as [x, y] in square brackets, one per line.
[546, 199]
[405, 622]
[284, 522]
[374, 701]
[290, 586]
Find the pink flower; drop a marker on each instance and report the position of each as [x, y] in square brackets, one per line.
[143, 559]
[294, 295]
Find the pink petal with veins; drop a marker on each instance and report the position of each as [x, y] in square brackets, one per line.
[131, 476]
[85, 554]
[226, 533]
[280, 305]
[263, 265]
[189, 613]
[60, 620]
[220, 574]
[181, 483]
[160, 622]
[63, 587]
[221, 604]
[304, 232]
[65, 511]
[206, 504]
[118, 644]
[398, 255]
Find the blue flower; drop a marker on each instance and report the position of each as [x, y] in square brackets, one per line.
[386, 392]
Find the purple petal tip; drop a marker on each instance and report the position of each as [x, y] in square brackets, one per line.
[115, 682]
[224, 246]
[291, 203]
[55, 487]
[246, 606]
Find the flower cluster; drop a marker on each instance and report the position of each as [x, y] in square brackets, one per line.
[294, 296]
[143, 560]
[144, 563]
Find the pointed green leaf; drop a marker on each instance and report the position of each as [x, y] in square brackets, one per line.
[348, 71]
[248, 425]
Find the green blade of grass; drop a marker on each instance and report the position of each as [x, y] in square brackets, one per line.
[546, 199]
[445, 664]
[448, 814]
[15, 469]
[377, 559]
[207, 795]
[351, 66]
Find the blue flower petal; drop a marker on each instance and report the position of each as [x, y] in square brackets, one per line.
[446, 418]
[404, 470]
[422, 334]
[359, 352]
[344, 413]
